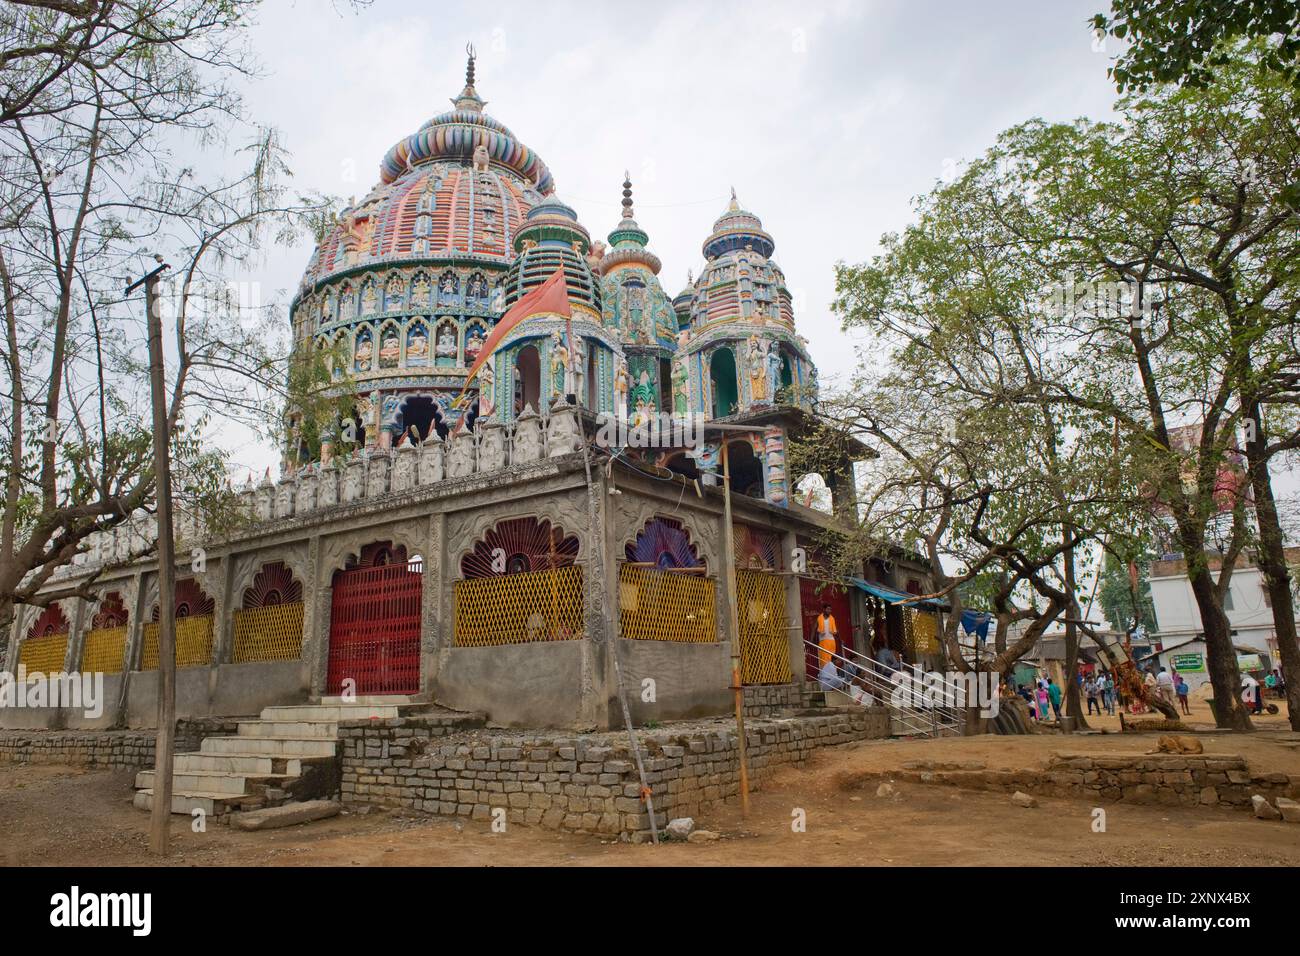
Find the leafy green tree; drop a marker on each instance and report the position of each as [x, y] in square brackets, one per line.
[1183, 41]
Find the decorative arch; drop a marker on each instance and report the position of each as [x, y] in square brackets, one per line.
[446, 346]
[327, 307]
[49, 622]
[273, 584]
[395, 293]
[112, 612]
[417, 343]
[369, 304]
[756, 548]
[724, 383]
[390, 345]
[476, 333]
[665, 543]
[528, 379]
[363, 350]
[191, 601]
[421, 287]
[525, 544]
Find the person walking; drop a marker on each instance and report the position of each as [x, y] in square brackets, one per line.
[1042, 702]
[1182, 690]
[1090, 688]
[827, 674]
[1054, 695]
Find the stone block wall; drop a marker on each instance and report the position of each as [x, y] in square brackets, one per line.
[1164, 779]
[770, 700]
[131, 749]
[584, 784]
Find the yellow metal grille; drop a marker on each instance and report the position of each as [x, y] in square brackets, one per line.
[44, 655]
[193, 643]
[541, 605]
[103, 650]
[920, 632]
[656, 605]
[271, 633]
[764, 643]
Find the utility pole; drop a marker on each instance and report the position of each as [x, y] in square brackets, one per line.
[733, 627]
[160, 819]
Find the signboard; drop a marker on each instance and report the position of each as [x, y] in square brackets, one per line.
[1249, 662]
[1187, 663]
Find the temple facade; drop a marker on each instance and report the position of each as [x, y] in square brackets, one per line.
[477, 542]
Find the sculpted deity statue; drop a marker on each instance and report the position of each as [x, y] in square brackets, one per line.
[773, 372]
[420, 292]
[681, 390]
[757, 370]
[446, 347]
[481, 158]
[486, 391]
[559, 363]
[622, 382]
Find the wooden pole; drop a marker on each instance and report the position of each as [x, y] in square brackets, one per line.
[733, 628]
[160, 820]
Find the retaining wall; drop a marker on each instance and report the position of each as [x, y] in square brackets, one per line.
[585, 784]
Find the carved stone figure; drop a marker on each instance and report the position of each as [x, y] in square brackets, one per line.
[305, 500]
[431, 456]
[562, 436]
[461, 458]
[492, 446]
[404, 468]
[377, 474]
[528, 437]
[284, 498]
[354, 487]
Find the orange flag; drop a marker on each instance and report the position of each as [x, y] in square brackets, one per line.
[551, 296]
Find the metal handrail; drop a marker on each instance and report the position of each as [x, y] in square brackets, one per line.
[952, 717]
[939, 718]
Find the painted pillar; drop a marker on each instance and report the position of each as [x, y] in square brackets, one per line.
[774, 475]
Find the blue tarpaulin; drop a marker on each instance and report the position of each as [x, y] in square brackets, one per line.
[976, 622]
[892, 596]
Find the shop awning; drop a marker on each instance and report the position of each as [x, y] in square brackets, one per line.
[895, 597]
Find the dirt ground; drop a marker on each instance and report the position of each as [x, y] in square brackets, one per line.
[58, 816]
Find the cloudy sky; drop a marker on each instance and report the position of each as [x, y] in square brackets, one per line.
[827, 118]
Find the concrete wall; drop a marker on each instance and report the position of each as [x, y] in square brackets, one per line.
[690, 680]
[227, 690]
[515, 685]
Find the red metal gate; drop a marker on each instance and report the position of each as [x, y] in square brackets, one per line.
[375, 629]
[812, 595]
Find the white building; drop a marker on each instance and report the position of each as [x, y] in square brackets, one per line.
[1179, 634]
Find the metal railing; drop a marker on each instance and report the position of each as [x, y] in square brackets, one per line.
[875, 682]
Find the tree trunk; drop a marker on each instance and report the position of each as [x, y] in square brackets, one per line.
[1221, 656]
[1272, 562]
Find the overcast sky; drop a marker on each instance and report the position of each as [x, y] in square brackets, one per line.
[827, 118]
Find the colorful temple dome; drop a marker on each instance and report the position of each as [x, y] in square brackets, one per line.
[458, 188]
[459, 134]
[739, 280]
[635, 302]
[403, 292]
[550, 238]
[737, 229]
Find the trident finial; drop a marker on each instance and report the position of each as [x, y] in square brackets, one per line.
[469, 65]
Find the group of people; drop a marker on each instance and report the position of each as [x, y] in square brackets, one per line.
[1046, 693]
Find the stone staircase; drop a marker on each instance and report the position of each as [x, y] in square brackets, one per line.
[288, 753]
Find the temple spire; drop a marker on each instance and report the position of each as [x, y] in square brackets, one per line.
[469, 98]
[627, 195]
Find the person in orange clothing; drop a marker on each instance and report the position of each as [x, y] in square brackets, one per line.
[828, 674]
